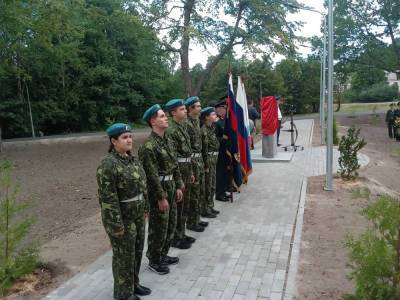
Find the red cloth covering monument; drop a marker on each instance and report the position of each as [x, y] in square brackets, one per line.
[269, 115]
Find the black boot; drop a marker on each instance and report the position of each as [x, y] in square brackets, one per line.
[181, 244]
[169, 260]
[159, 268]
[142, 290]
[189, 239]
[203, 223]
[195, 228]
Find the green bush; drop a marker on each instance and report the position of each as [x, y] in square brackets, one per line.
[349, 146]
[16, 259]
[380, 92]
[375, 255]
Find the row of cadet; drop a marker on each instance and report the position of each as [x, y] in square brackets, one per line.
[393, 121]
[180, 168]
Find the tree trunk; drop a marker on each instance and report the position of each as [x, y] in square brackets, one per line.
[395, 47]
[187, 78]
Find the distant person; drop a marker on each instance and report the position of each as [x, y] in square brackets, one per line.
[253, 116]
[253, 113]
[278, 100]
[123, 201]
[397, 122]
[390, 120]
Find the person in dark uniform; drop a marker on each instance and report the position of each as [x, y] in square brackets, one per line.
[397, 122]
[123, 200]
[222, 181]
[390, 120]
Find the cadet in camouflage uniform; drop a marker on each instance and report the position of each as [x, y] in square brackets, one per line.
[178, 136]
[210, 156]
[197, 196]
[165, 183]
[122, 196]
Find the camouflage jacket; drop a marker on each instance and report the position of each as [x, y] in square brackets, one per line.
[195, 134]
[210, 144]
[178, 136]
[119, 178]
[157, 157]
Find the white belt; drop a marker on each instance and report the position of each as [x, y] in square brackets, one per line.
[136, 198]
[184, 159]
[196, 155]
[166, 177]
[213, 153]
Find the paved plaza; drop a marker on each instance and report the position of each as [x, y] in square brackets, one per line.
[245, 253]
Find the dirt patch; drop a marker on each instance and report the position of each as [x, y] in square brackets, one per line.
[330, 216]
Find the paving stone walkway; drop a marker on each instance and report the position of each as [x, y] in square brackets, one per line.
[243, 254]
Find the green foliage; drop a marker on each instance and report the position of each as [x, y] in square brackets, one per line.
[335, 132]
[16, 260]
[349, 146]
[83, 64]
[380, 92]
[375, 255]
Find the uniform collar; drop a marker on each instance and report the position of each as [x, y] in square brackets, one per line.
[122, 157]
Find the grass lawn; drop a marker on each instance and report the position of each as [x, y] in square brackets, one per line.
[365, 107]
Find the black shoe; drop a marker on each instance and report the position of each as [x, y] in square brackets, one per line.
[132, 297]
[214, 211]
[160, 268]
[208, 215]
[222, 198]
[195, 228]
[189, 239]
[181, 244]
[203, 223]
[142, 290]
[169, 260]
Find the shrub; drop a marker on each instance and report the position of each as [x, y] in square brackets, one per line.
[349, 146]
[16, 259]
[375, 255]
[380, 92]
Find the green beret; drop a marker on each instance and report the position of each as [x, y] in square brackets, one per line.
[171, 104]
[117, 129]
[191, 100]
[206, 111]
[150, 112]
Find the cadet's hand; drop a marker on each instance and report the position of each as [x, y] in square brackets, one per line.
[192, 179]
[179, 195]
[206, 170]
[163, 205]
[120, 232]
[146, 215]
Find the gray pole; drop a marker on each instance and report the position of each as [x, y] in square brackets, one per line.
[329, 144]
[322, 113]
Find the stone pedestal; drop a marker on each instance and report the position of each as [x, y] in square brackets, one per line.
[269, 147]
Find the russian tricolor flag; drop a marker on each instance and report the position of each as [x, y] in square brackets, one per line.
[243, 129]
[231, 135]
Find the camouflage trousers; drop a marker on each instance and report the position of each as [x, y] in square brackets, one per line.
[162, 225]
[196, 192]
[210, 184]
[183, 206]
[127, 249]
